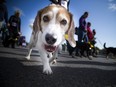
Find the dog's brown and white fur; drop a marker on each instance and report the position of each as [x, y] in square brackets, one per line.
[49, 28]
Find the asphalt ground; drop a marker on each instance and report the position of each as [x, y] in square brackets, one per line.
[16, 71]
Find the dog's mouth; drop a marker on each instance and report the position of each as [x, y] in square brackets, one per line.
[50, 48]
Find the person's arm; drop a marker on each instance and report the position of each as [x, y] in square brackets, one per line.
[19, 25]
[10, 20]
[82, 25]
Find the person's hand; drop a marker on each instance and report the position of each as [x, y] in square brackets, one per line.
[19, 33]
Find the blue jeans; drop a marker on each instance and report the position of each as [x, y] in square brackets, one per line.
[85, 38]
[82, 36]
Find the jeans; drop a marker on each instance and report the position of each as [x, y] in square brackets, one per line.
[82, 36]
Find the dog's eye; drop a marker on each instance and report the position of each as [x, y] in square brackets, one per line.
[46, 19]
[63, 22]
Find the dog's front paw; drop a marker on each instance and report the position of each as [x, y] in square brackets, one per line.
[27, 57]
[47, 70]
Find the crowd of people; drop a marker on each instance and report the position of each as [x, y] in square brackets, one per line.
[10, 27]
[85, 33]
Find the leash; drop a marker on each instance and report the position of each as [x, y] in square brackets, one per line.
[99, 41]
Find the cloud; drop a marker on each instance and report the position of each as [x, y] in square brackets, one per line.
[21, 11]
[112, 6]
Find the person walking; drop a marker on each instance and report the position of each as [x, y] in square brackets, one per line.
[89, 32]
[82, 27]
[14, 28]
[93, 42]
[64, 3]
[3, 19]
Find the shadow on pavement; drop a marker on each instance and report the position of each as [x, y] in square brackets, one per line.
[88, 62]
[14, 74]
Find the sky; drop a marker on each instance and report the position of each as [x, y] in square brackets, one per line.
[102, 15]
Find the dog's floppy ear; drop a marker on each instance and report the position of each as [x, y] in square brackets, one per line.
[71, 32]
[36, 24]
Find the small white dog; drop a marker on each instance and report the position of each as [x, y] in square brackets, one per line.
[49, 28]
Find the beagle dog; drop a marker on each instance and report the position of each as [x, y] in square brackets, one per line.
[50, 25]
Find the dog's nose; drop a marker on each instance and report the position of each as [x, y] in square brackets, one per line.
[50, 39]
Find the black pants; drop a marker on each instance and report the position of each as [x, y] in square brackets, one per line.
[12, 38]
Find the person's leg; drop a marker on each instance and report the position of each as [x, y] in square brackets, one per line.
[1, 25]
[5, 39]
[80, 35]
[13, 40]
[77, 49]
[13, 43]
[68, 47]
[85, 37]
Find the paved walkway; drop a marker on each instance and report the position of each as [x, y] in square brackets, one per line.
[16, 71]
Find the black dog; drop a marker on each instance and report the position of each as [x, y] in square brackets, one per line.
[82, 47]
[70, 49]
[110, 50]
